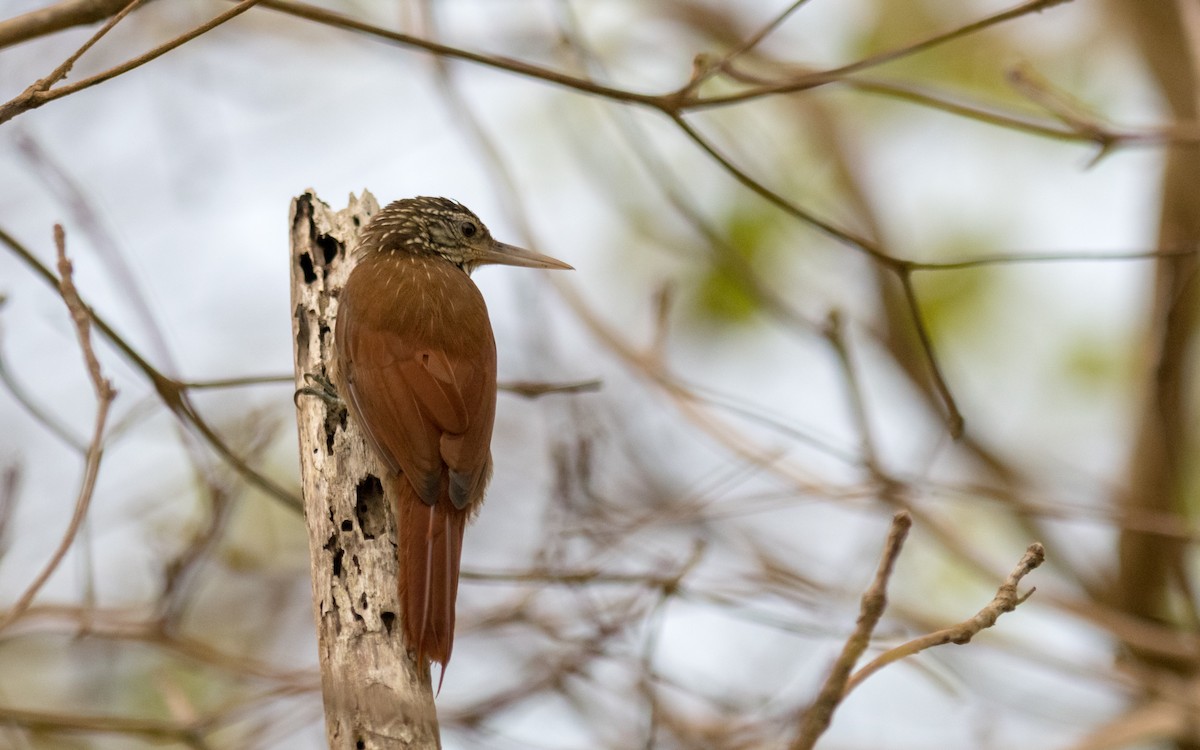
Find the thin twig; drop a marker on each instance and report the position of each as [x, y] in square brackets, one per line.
[843, 236]
[105, 393]
[954, 418]
[820, 78]
[672, 103]
[87, 216]
[1006, 600]
[835, 334]
[54, 18]
[10, 483]
[536, 388]
[40, 414]
[336, 20]
[241, 382]
[1062, 106]
[43, 85]
[1082, 256]
[710, 67]
[676, 190]
[40, 92]
[81, 317]
[901, 268]
[818, 716]
[170, 391]
[45, 722]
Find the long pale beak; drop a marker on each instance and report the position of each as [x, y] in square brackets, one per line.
[511, 255]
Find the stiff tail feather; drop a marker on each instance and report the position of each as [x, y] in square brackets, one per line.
[429, 547]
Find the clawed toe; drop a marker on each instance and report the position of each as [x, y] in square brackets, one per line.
[322, 388]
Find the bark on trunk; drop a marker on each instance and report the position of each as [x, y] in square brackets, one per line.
[376, 696]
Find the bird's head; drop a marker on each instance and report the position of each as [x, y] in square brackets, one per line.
[446, 229]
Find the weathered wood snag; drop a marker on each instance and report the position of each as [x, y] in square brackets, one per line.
[376, 696]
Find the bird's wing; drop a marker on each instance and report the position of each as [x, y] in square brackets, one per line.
[424, 412]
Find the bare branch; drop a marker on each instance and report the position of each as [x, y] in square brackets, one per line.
[171, 392]
[820, 78]
[534, 388]
[41, 92]
[41, 414]
[336, 20]
[818, 716]
[835, 334]
[1062, 106]
[105, 393]
[45, 721]
[843, 236]
[954, 418]
[247, 380]
[1006, 600]
[10, 482]
[710, 67]
[54, 18]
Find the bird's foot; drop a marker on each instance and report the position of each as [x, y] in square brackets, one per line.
[322, 388]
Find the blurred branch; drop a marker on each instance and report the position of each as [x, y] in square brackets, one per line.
[580, 646]
[87, 215]
[969, 110]
[819, 78]
[129, 625]
[690, 401]
[663, 173]
[653, 631]
[901, 268]
[65, 66]
[708, 67]
[1167, 718]
[548, 672]
[105, 393]
[188, 733]
[1006, 600]
[82, 319]
[42, 91]
[1090, 129]
[339, 21]
[1006, 259]
[844, 236]
[819, 715]
[220, 490]
[954, 418]
[673, 103]
[248, 380]
[1063, 107]
[1155, 579]
[10, 482]
[537, 388]
[835, 334]
[171, 392]
[41, 415]
[57, 17]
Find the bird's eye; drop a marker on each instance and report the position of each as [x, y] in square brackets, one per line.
[468, 229]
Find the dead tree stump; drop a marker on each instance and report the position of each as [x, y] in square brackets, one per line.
[376, 696]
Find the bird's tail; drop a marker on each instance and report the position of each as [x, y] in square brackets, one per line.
[429, 540]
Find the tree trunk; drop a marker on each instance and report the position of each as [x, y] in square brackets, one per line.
[376, 696]
[1154, 580]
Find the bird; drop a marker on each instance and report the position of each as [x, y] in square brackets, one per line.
[415, 362]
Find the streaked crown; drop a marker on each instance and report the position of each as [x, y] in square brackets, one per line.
[442, 228]
[427, 226]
